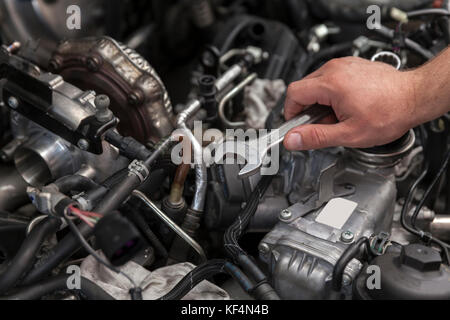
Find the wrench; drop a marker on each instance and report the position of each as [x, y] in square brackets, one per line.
[254, 151]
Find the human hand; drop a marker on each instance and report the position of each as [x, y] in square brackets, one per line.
[374, 104]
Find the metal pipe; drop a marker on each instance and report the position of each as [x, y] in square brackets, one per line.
[230, 95]
[172, 225]
[176, 190]
[440, 227]
[228, 77]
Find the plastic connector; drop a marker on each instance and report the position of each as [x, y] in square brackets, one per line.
[119, 240]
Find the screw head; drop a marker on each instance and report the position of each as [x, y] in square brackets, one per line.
[347, 237]
[264, 248]
[134, 98]
[285, 215]
[83, 144]
[93, 63]
[13, 102]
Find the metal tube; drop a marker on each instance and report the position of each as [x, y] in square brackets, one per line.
[440, 227]
[230, 95]
[228, 77]
[172, 225]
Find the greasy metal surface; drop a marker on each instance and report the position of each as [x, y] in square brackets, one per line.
[138, 96]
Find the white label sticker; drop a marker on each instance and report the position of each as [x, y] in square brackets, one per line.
[337, 212]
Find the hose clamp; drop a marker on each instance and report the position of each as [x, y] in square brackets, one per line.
[139, 169]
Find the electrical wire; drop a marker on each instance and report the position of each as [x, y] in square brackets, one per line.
[92, 252]
[427, 193]
[419, 233]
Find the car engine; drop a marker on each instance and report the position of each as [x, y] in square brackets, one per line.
[116, 166]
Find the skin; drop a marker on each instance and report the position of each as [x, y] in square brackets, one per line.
[374, 104]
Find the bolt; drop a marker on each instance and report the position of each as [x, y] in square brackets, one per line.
[103, 113]
[134, 98]
[83, 144]
[264, 248]
[13, 102]
[347, 237]
[93, 63]
[285, 215]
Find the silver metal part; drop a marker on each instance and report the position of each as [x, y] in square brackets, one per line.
[388, 57]
[440, 227]
[230, 95]
[303, 251]
[172, 225]
[254, 151]
[45, 157]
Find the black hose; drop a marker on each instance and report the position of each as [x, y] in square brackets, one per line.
[69, 245]
[75, 183]
[234, 232]
[128, 146]
[143, 226]
[231, 242]
[25, 257]
[352, 252]
[88, 289]
[410, 44]
[204, 272]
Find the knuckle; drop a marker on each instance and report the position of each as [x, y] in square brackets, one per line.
[319, 137]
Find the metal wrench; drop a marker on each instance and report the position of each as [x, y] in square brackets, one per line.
[254, 151]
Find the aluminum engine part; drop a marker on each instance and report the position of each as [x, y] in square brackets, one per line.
[338, 200]
[138, 96]
[44, 157]
[260, 98]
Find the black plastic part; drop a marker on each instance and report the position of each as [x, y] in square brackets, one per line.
[208, 92]
[411, 273]
[119, 240]
[128, 146]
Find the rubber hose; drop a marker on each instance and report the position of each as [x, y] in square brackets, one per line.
[25, 257]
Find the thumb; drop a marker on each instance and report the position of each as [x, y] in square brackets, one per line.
[317, 136]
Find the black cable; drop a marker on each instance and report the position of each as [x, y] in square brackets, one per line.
[419, 233]
[231, 241]
[25, 257]
[204, 272]
[143, 226]
[235, 231]
[88, 289]
[69, 245]
[96, 256]
[410, 44]
[427, 193]
[352, 252]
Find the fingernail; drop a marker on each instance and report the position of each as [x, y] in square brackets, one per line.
[294, 141]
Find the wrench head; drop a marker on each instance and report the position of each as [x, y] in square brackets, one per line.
[245, 152]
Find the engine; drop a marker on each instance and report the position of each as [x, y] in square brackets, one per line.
[114, 140]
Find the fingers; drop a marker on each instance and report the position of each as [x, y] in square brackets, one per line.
[318, 136]
[304, 93]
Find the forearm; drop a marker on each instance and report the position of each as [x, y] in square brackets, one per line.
[432, 92]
